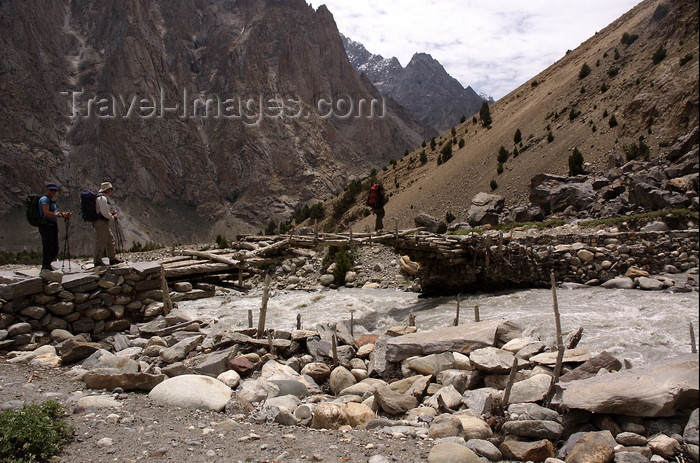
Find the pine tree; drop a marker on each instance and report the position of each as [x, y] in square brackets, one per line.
[575, 163]
[485, 114]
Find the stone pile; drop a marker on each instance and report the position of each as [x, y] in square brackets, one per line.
[106, 300]
[479, 390]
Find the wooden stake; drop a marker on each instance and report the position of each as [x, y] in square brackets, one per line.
[250, 318]
[263, 308]
[334, 348]
[575, 338]
[350, 233]
[693, 348]
[315, 230]
[510, 382]
[457, 314]
[167, 303]
[557, 321]
[411, 319]
[352, 323]
[298, 321]
[270, 344]
[477, 319]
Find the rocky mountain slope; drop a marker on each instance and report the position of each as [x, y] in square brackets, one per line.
[173, 103]
[635, 81]
[423, 86]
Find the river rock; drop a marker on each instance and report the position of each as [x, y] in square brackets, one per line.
[537, 451]
[592, 447]
[492, 360]
[534, 429]
[650, 284]
[532, 389]
[690, 432]
[358, 414]
[619, 283]
[478, 402]
[256, 390]
[578, 355]
[329, 415]
[75, 349]
[33, 311]
[29, 356]
[296, 388]
[473, 426]
[630, 457]
[392, 402]
[465, 338]
[460, 379]
[653, 390]
[340, 379]
[215, 363]
[630, 438]
[180, 350]
[450, 452]
[447, 397]
[18, 328]
[432, 364]
[665, 446]
[317, 370]
[98, 401]
[445, 426]
[527, 411]
[126, 381]
[230, 378]
[192, 391]
[326, 280]
[363, 387]
[484, 448]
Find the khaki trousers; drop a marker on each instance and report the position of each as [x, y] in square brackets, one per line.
[104, 241]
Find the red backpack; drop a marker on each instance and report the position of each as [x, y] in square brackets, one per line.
[375, 198]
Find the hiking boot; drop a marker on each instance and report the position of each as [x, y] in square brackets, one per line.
[115, 261]
[99, 264]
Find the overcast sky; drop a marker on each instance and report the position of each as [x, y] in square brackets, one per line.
[492, 45]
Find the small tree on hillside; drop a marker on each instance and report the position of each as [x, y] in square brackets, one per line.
[575, 163]
[518, 137]
[485, 114]
[502, 154]
[585, 70]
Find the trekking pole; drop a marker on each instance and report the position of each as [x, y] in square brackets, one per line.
[120, 240]
[66, 246]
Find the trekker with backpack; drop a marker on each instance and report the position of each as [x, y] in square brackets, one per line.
[48, 226]
[375, 200]
[104, 240]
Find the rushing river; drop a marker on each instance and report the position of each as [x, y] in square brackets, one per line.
[637, 325]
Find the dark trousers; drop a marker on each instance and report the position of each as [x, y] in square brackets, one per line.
[49, 243]
[379, 224]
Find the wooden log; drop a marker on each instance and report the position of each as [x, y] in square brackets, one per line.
[298, 321]
[575, 338]
[592, 367]
[693, 348]
[250, 318]
[557, 321]
[456, 322]
[510, 382]
[263, 307]
[211, 256]
[477, 319]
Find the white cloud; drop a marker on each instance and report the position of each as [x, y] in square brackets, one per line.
[494, 46]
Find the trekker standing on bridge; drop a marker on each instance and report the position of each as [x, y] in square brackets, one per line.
[375, 200]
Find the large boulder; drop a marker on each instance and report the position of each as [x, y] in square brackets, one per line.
[666, 388]
[485, 209]
[192, 391]
[428, 222]
[553, 193]
[652, 198]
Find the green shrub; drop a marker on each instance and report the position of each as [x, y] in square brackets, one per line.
[221, 242]
[612, 72]
[499, 169]
[575, 163]
[660, 12]
[550, 137]
[474, 119]
[33, 433]
[485, 114]
[423, 157]
[628, 39]
[637, 150]
[604, 87]
[446, 151]
[686, 59]
[462, 119]
[583, 89]
[502, 154]
[573, 114]
[136, 246]
[612, 122]
[348, 198]
[21, 257]
[453, 132]
[616, 55]
[271, 228]
[423, 144]
[449, 217]
[534, 83]
[461, 143]
[585, 70]
[439, 159]
[344, 259]
[659, 55]
[605, 113]
[515, 152]
[493, 184]
[432, 143]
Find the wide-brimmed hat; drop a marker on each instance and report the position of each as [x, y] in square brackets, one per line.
[52, 186]
[105, 186]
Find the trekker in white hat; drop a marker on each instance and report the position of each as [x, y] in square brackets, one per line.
[104, 240]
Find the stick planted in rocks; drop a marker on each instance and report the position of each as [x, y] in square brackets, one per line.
[352, 322]
[167, 303]
[693, 348]
[250, 318]
[411, 319]
[334, 348]
[575, 338]
[477, 318]
[271, 345]
[510, 382]
[457, 314]
[298, 321]
[263, 308]
[557, 321]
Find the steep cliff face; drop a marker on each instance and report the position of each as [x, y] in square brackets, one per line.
[206, 116]
[423, 86]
